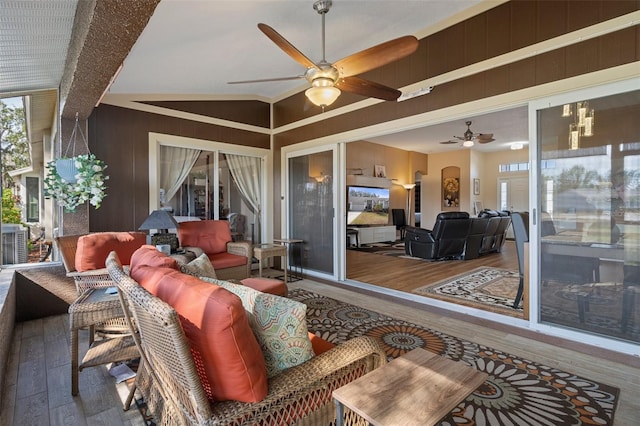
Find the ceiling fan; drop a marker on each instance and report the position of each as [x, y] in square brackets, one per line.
[328, 79]
[468, 138]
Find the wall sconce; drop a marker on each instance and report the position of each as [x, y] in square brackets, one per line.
[516, 146]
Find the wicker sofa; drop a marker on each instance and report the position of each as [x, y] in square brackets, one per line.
[173, 345]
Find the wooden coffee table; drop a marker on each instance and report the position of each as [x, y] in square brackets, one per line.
[418, 388]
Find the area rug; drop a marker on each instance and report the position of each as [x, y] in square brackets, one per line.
[493, 288]
[518, 391]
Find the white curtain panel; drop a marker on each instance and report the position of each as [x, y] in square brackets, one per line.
[175, 165]
[246, 172]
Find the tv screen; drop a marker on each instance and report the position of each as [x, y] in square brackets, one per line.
[367, 206]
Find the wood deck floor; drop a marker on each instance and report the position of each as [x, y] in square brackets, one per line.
[37, 388]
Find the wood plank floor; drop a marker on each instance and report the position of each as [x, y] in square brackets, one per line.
[37, 388]
[407, 274]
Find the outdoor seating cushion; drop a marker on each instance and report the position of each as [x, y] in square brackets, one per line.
[199, 267]
[227, 355]
[92, 249]
[148, 255]
[280, 324]
[211, 236]
[266, 285]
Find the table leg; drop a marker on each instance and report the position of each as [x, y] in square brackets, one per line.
[74, 362]
[260, 267]
[284, 267]
[339, 413]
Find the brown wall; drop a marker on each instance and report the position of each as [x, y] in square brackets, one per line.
[120, 137]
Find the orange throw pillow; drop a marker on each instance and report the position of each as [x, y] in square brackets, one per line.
[226, 353]
[92, 249]
[211, 236]
[148, 255]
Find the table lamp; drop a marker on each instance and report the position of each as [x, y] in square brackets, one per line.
[161, 221]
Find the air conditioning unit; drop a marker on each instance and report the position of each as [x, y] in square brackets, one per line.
[14, 244]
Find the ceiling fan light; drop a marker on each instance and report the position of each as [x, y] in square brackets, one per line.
[322, 96]
[467, 144]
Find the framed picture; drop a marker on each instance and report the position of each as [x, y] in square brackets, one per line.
[380, 171]
[476, 186]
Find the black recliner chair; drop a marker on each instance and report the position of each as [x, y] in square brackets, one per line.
[447, 240]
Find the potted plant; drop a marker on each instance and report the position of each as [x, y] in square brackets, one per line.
[88, 185]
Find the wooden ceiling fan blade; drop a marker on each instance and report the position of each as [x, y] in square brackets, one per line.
[485, 140]
[367, 88]
[264, 80]
[376, 56]
[288, 48]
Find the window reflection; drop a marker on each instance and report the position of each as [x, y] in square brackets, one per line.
[590, 222]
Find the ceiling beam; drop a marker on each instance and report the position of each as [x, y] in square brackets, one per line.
[104, 31]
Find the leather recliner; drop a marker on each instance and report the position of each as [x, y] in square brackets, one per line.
[447, 240]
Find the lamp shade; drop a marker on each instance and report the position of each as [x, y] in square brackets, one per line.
[323, 95]
[159, 219]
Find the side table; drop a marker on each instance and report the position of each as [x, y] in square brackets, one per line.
[94, 306]
[423, 386]
[294, 249]
[265, 251]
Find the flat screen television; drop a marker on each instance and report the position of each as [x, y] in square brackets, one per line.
[367, 206]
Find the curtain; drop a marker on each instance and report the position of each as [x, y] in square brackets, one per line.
[246, 172]
[175, 165]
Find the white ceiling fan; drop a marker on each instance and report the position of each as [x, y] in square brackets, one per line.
[469, 138]
[328, 79]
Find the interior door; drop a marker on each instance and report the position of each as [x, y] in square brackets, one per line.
[513, 195]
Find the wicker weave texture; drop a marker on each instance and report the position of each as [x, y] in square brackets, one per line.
[299, 395]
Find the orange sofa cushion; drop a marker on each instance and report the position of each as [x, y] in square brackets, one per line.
[320, 345]
[148, 255]
[225, 351]
[211, 236]
[92, 249]
[227, 260]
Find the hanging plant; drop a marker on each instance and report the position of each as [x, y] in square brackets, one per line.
[88, 186]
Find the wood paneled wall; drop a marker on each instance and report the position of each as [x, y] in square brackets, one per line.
[120, 137]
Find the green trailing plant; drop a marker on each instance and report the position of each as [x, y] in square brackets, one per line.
[89, 185]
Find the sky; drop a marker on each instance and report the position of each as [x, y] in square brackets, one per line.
[13, 102]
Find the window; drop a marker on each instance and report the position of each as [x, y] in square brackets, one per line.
[33, 199]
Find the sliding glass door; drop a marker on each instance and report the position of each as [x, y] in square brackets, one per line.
[589, 225]
[311, 208]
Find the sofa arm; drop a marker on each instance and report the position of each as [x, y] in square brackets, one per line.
[241, 248]
[303, 394]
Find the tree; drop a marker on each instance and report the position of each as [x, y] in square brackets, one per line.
[11, 211]
[13, 141]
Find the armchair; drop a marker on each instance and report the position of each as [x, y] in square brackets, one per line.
[213, 237]
[447, 240]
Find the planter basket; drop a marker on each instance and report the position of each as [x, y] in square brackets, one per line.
[66, 168]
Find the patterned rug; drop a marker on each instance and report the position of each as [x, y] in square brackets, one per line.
[495, 289]
[518, 391]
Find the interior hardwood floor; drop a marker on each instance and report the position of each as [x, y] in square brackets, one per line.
[408, 274]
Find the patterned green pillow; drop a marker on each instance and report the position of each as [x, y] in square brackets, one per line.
[279, 324]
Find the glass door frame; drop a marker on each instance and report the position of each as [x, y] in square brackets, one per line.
[157, 139]
[535, 205]
[338, 205]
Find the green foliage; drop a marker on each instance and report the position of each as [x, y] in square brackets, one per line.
[11, 212]
[13, 141]
[89, 185]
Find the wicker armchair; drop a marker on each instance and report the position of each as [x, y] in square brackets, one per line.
[231, 259]
[172, 389]
[91, 279]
